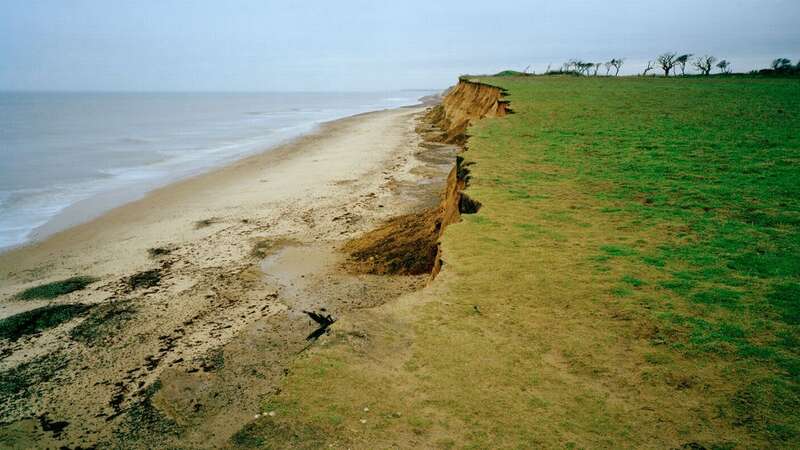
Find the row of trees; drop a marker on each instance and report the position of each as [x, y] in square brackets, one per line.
[782, 66]
[671, 62]
[590, 68]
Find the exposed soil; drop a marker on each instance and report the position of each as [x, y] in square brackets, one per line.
[463, 104]
[409, 244]
[406, 244]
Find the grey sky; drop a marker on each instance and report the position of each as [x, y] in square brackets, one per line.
[241, 45]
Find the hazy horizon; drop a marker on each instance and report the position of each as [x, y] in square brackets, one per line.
[358, 46]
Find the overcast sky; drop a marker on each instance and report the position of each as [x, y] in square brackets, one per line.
[310, 45]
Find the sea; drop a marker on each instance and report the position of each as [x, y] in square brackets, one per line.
[105, 149]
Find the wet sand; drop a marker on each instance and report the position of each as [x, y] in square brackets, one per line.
[244, 251]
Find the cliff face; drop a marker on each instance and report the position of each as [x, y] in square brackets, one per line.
[468, 101]
[410, 244]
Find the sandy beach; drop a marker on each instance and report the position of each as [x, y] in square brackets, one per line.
[234, 257]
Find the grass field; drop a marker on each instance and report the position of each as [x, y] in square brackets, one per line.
[632, 280]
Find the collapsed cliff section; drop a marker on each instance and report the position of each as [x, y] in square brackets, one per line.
[409, 244]
[467, 102]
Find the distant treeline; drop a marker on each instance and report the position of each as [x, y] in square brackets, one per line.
[670, 63]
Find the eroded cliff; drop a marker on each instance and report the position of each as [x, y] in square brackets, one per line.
[409, 244]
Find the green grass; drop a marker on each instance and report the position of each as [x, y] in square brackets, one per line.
[715, 164]
[56, 288]
[636, 263]
[38, 320]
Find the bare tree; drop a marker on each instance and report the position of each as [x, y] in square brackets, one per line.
[648, 68]
[570, 66]
[724, 66]
[681, 61]
[617, 63]
[608, 67]
[704, 64]
[667, 62]
[596, 68]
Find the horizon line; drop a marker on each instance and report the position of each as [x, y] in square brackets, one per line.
[210, 91]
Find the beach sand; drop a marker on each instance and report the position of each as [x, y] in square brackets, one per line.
[189, 355]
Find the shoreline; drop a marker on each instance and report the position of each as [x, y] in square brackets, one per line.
[59, 236]
[87, 209]
[20, 263]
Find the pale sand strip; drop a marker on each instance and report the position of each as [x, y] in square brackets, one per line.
[116, 242]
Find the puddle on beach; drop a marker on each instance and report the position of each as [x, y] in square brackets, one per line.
[294, 267]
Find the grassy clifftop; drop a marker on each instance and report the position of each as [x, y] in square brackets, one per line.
[632, 280]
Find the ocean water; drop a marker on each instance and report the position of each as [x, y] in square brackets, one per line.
[59, 149]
